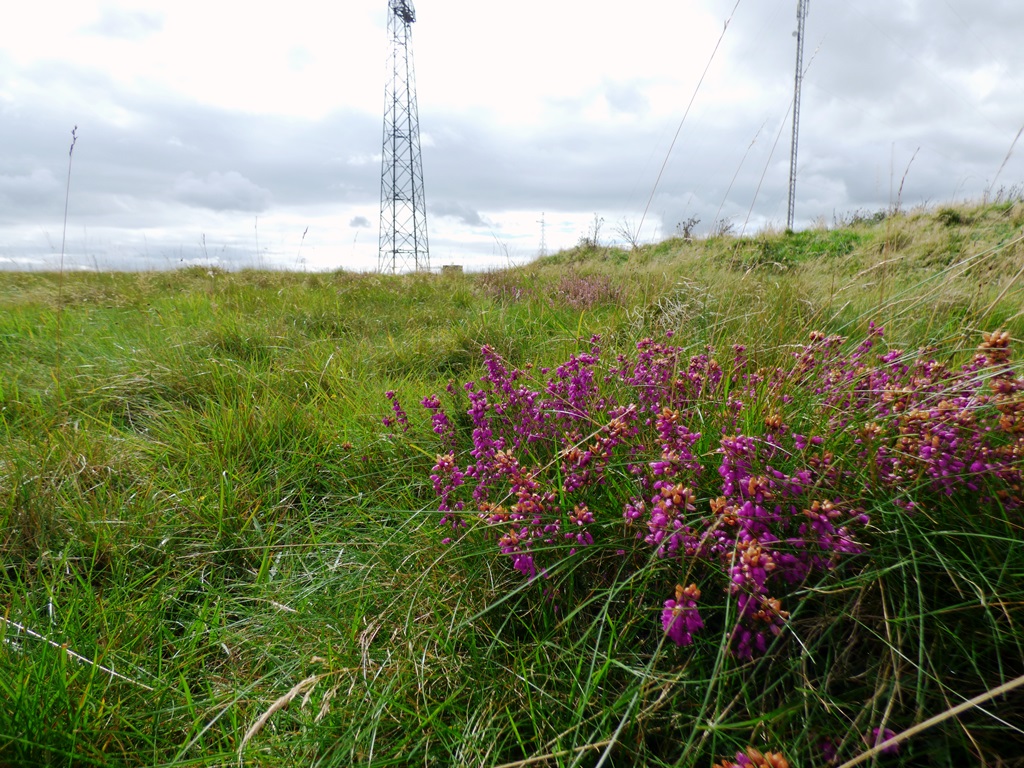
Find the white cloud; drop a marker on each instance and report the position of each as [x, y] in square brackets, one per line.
[462, 213]
[35, 185]
[229, 191]
[125, 24]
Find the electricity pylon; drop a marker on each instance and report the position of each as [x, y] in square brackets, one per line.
[403, 210]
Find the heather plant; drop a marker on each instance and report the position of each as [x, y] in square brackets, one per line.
[586, 291]
[561, 457]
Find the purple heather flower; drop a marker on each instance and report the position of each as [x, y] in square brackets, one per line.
[788, 505]
[829, 750]
[400, 419]
[441, 424]
[878, 736]
[680, 618]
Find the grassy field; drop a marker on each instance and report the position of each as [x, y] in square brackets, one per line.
[733, 495]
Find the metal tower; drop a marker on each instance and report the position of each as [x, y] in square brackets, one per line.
[403, 211]
[801, 16]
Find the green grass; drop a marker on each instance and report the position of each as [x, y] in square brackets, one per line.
[198, 500]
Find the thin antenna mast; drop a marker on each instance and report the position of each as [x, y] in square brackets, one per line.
[403, 211]
[801, 17]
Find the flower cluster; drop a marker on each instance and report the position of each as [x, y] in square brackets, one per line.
[441, 424]
[879, 735]
[586, 291]
[750, 480]
[924, 427]
[680, 618]
[752, 758]
[398, 417]
[574, 290]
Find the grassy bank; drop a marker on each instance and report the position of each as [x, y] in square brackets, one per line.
[221, 541]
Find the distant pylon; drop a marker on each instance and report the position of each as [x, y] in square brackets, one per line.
[801, 16]
[403, 211]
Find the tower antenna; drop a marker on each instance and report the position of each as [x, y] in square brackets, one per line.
[403, 210]
[801, 17]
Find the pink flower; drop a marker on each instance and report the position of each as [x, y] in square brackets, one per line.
[878, 736]
[680, 618]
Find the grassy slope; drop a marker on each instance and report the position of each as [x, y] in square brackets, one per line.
[198, 495]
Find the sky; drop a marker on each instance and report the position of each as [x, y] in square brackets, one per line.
[244, 135]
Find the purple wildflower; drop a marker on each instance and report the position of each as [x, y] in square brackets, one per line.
[680, 618]
[400, 418]
[878, 736]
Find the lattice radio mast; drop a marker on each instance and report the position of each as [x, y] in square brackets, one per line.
[801, 17]
[403, 211]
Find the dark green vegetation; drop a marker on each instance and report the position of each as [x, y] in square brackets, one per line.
[211, 545]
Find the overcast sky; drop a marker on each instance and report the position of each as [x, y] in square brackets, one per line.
[234, 134]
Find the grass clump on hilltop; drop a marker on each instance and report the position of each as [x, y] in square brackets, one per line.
[734, 501]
